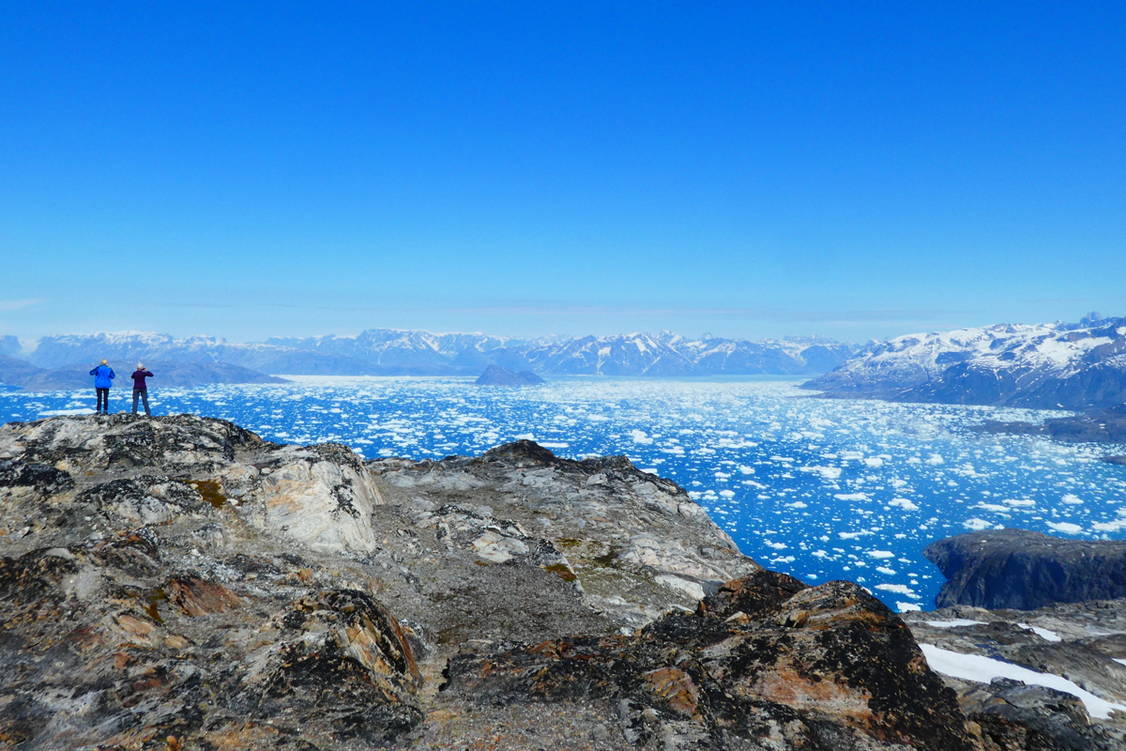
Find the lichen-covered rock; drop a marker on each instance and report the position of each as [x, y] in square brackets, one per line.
[763, 663]
[141, 471]
[339, 659]
[1083, 642]
[178, 583]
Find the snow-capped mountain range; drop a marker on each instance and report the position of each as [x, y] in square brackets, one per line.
[1050, 365]
[392, 351]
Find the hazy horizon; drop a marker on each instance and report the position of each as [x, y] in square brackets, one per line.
[26, 340]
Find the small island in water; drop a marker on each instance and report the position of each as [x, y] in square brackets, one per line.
[495, 375]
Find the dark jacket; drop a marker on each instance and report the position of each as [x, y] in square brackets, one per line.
[103, 376]
[139, 377]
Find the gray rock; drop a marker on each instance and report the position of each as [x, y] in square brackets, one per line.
[1079, 641]
[1014, 568]
[177, 582]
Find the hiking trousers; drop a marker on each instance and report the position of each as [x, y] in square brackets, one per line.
[142, 394]
[103, 401]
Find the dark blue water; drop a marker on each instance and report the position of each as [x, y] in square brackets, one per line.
[819, 488]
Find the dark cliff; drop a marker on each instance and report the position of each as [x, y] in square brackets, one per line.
[1014, 568]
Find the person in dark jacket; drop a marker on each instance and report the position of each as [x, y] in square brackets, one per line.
[103, 379]
[140, 388]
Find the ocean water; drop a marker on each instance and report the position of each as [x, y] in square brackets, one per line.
[819, 488]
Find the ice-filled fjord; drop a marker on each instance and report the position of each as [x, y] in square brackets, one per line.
[818, 488]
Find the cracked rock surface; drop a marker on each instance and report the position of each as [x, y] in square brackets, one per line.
[179, 583]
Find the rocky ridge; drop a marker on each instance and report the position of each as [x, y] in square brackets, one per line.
[1024, 570]
[395, 352]
[178, 582]
[1052, 366]
[1084, 643]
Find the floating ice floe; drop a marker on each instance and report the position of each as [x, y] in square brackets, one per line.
[899, 589]
[825, 473]
[1115, 526]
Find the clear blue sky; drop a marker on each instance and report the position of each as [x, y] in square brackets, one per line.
[850, 169]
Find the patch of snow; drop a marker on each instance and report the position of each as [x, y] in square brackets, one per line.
[954, 623]
[1043, 633]
[970, 667]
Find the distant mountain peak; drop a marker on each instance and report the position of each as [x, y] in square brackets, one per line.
[1047, 365]
[404, 351]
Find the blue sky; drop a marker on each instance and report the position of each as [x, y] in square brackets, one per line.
[851, 170]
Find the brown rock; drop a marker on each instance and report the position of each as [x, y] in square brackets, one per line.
[196, 597]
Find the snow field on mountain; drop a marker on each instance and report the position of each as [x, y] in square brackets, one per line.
[819, 488]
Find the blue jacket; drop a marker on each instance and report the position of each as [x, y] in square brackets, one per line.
[103, 376]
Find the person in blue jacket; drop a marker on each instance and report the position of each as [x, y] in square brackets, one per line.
[103, 379]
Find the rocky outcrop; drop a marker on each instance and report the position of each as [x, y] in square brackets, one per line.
[634, 544]
[1084, 643]
[495, 375]
[1095, 426]
[1014, 568]
[178, 583]
[765, 662]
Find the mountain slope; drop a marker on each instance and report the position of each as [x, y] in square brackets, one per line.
[20, 374]
[1052, 365]
[394, 352]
